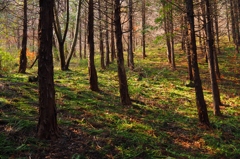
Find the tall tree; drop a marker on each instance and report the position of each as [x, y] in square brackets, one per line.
[23, 53]
[172, 37]
[210, 43]
[85, 33]
[101, 47]
[107, 35]
[233, 20]
[93, 79]
[61, 38]
[168, 28]
[47, 127]
[130, 36]
[187, 47]
[204, 21]
[143, 28]
[200, 102]
[216, 25]
[123, 86]
[74, 36]
[80, 37]
[112, 34]
[227, 20]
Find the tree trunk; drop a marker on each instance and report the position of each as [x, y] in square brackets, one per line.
[101, 47]
[93, 79]
[143, 28]
[214, 20]
[210, 43]
[233, 21]
[227, 24]
[62, 55]
[107, 35]
[123, 86]
[201, 105]
[18, 38]
[80, 38]
[172, 39]
[166, 30]
[188, 49]
[23, 56]
[61, 39]
[113, 54]
[204, 26]
[215, 14]
[200, 28]
[47, 127]
[130, 37]
[236, 12]
[85, 35]
[74, 36]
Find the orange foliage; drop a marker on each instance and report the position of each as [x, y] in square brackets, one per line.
[135, 28]
[30, 55]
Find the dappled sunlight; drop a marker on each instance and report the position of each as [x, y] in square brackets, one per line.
[162, 120]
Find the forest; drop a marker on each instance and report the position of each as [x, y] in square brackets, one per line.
[119, 79]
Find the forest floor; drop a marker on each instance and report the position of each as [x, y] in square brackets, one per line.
[161, 123]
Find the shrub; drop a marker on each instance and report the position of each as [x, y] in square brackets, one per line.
[7, 61]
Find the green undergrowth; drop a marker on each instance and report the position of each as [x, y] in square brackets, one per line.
[161, 123]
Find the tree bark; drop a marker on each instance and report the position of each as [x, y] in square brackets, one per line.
[80, 38]
[61, 39]
[85, 35]
[113, 54]
[200, 102]
[123, 86]
[166, 30]
[188, 48]
[23, 54]
[233, 21]
[74, 37]
[143, 28]
[101, 47]
[107, 35]
[236, 12]
[215, 13]
[228, 21]
[47, 127]
[173, 64]
[211, 63]
[130, 37]
[93, 79]
[204, 26]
